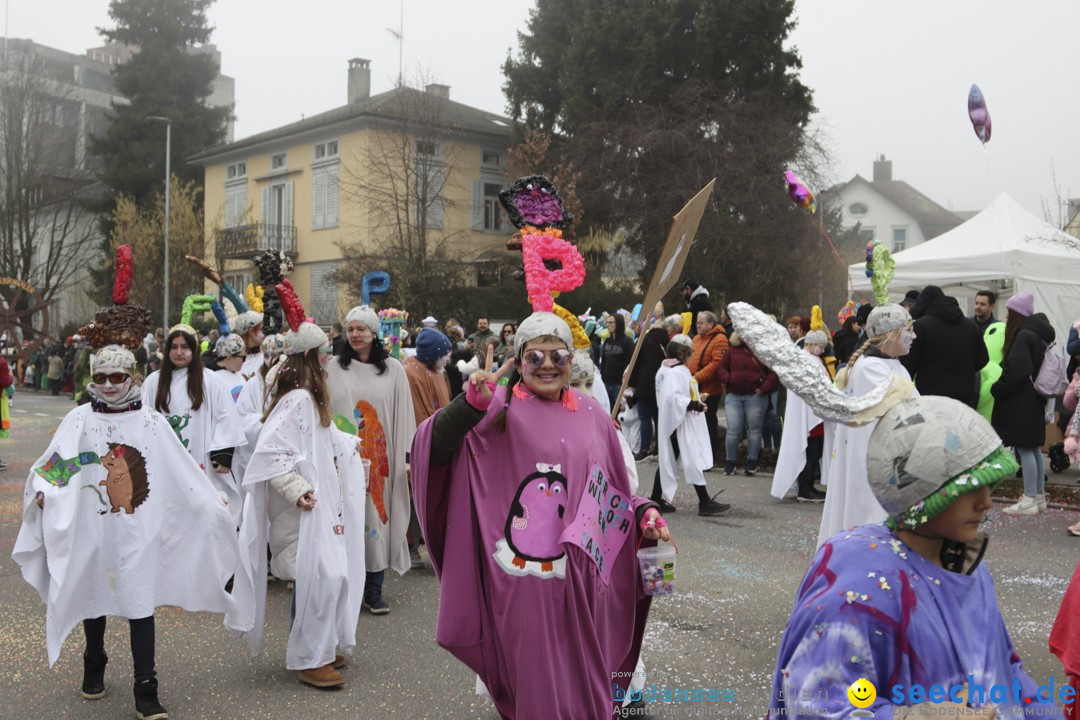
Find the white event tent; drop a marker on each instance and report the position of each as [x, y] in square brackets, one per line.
[1005, 249]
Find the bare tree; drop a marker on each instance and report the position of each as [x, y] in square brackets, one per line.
[399, 180]
[47, 236]
[144, 228]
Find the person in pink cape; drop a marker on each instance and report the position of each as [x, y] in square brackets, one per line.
[532, 529]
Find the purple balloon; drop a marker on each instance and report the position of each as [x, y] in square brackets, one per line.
[980, 116]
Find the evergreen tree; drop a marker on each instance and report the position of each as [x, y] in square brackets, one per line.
[168, 77]
[653, 98]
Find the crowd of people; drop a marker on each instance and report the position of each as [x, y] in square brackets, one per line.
[324, 461]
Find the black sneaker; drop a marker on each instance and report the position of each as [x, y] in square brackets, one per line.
[813, 496]
[750, 470]
[376, 605]
[93, 679]
[665, 507]
[729, 468]
[712, 508]
[147, 706]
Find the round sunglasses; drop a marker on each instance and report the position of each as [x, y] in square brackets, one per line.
[559, 356]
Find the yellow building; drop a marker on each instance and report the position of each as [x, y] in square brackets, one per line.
[367, 179]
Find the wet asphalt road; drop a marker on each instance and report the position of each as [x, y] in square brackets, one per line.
[737, 575]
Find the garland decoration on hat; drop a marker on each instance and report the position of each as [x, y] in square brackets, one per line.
[222, 318]
[273, 266]
[550, 264]
[880, 267]
[124, 271]
[581, 340]
[227, 291]
[254, 294]
[538, 247]
[290, 304]
[124, 323]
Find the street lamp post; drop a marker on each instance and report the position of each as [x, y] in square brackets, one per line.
[168, 189]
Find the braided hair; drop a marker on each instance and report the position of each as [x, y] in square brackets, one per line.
[874, 342]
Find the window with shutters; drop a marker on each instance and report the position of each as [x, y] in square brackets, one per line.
[487, 212]
[428, 185]
[236, 170]
[324, 294]
[493, 210]
[324, 201]
[235, 204]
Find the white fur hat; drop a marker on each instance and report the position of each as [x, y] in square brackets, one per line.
[364, 314]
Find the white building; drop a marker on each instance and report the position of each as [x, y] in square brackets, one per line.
[889, 211]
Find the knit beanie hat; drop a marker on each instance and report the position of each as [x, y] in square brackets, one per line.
[1022, 303]
[885, 318]
[817, 334]
[927, 451]
[431, 345]
[364, 314]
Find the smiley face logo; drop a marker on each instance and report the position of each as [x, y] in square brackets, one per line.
[862, 693]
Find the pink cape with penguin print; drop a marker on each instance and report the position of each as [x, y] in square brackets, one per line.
[533, 536]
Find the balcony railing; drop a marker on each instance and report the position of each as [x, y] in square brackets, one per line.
[246, 242]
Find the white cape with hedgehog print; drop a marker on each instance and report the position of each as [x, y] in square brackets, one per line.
[130, 522]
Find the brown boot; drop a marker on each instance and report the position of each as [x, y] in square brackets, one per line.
[339, 662]
[323, 677]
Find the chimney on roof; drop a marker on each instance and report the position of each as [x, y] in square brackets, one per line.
[882, 169]
[359, 80]
[439, 91]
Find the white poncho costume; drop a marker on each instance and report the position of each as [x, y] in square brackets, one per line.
[129, 523]
[214, 426]
[675, 388]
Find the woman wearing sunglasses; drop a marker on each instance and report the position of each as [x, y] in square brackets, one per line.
[198, 406]
[118, 519]
[532, 527]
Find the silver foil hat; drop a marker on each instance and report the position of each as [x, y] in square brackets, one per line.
[801, 373]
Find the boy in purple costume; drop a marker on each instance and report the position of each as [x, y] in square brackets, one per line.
[544, 621]
[909, 601]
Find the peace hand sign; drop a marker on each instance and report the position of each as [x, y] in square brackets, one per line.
[482, 382]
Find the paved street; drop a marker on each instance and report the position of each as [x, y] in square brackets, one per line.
[737, 575]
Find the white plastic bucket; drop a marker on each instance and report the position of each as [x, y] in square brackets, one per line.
[657, 566]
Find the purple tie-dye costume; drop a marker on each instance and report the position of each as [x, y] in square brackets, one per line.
[871, 607]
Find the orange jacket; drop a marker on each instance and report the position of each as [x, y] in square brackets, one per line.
[704, 361]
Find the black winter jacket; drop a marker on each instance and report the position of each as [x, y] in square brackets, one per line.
[653, 352]
[948, 350]
[1018, 410]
